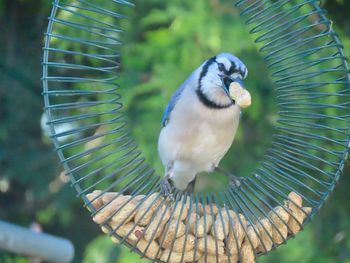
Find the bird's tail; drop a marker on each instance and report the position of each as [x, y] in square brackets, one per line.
[182, 175]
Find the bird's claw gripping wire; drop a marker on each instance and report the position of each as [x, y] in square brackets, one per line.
[166, 188]
[234, 181]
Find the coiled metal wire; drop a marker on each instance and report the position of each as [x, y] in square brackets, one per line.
[309, 149]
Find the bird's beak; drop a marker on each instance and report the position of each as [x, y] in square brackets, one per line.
[227, 81]
[236, 90]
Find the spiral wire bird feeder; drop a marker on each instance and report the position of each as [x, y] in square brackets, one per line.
[304, 162]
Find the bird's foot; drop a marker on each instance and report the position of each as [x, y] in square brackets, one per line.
[234, 181]
[166, 188]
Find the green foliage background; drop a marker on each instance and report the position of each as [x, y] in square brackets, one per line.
[166, 40]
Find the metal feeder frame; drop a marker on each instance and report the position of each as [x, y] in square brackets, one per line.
[309, 148]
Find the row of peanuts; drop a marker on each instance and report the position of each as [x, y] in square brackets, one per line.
[175, 233]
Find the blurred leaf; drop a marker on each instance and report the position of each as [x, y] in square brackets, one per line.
[101, 250]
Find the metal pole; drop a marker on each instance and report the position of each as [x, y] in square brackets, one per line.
[23, 241]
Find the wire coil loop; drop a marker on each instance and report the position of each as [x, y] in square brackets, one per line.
[307, 155]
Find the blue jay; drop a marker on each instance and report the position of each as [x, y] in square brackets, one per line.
[200, 122]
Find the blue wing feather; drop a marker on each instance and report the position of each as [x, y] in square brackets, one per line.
[171, 105]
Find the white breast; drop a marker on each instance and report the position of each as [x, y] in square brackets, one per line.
[197, 136]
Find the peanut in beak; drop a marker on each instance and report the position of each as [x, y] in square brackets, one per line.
[240, 95]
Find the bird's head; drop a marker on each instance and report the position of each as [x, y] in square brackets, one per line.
[215, 78]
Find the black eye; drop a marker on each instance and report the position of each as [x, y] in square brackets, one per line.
[221, 67]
